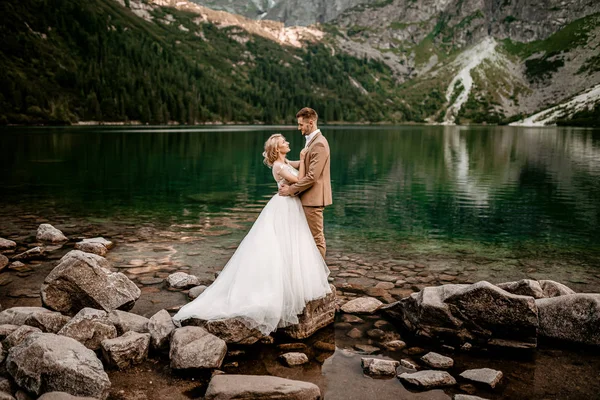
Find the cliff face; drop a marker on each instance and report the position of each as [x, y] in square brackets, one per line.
[290, 12]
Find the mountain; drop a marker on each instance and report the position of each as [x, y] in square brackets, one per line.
[290, 12]
[389, 61]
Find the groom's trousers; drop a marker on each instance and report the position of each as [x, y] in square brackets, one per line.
[314, 216]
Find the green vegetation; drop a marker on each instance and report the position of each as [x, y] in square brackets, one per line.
[540, 69]
[70, 61]
[509, 19]
[589, 117]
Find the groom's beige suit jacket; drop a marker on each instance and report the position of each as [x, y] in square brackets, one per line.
[314, 189]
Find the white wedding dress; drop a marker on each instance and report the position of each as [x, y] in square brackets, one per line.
[274, 272]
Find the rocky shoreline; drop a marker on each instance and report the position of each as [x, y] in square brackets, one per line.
[88, 338]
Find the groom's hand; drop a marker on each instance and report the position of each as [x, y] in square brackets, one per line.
[284, 190]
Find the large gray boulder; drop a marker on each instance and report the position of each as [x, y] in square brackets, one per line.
[480, 312]
[554, 289]
[18, 315]
[232, 330]
[7, 329]
[90, 327]
[194, 347]
[62, 396]
[85, 280]
[181, 280]
[316, 315]
[49, 322]
[125, 321]
[18, 336]
[574, 317]
[160, 327]
[48, 233]
[124, 351]
[226, 387]
[524, 287]
[46, 362]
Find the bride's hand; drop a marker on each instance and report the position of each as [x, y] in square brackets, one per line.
[303, 153]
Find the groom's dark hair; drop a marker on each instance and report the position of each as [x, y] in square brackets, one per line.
[308, 113]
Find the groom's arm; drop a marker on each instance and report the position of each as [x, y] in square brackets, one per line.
[318, 157]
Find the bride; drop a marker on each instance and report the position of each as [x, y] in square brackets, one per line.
[277, 267]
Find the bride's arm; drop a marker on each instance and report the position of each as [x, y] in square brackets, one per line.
[295, 164]
[285, 173]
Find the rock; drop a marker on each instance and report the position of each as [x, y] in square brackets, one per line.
[574, 317]
[324, 346]
[2, 356]
[385, 285]
[125, 321]
[354, 333]
[18, 315]
[381, 324]
[467, 397]
[366, 348]
[362, 305]
[94, 248]
[428, 379]
[181, 280]
[225, 387]
[352, 319]
[49, 322]
[5, 384]
[160, 327]
[7, 329]
[100, 240]
[151, 281]
[17, 266]
[6, 244]
[378, 367]
[124, 351]
[62, 396]
[84, 280]
[18, 336]
[48, 233]
[196, 291]
[477, 312]
[293, 359]
[3, 262]
[48, 362]
[437, 361]
[394, 345]
[408, 364]
[194, 347]
[6, 396]
[486, 376]
[31, 254]
[375, 333]
[232, 330]
[554, 289]
[316, 315]
[90, 327]
[524, 287]
[292, 346]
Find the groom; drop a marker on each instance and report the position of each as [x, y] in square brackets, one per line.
[314, 189]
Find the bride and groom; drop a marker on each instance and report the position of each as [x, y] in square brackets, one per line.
[279, 266]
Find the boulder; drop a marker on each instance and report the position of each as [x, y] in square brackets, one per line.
[7, 329]
[94, 248]
[554, 289]
[524, 287]
[394, 345]
[194, 347]
[6, 396]
[46, 362]
[316, 315]
[7, 245]
[181, 280]
[100, 240]
[362, 305]
[293, 359]
[484, 376]
[160, 327]
[379, 367]
[573, 317]
[62, 396]
[232, 330]
[124, 351]
[467, 397]
[437, 361]
[48, 233]
[90, 327]
[196, 291]
[49, 322]
[18, 336]
[225, 387]
[84, 280]
[428, 379]
[125, 321]
[478, 312]
[18, 315]
[31, 254]
[3, 262]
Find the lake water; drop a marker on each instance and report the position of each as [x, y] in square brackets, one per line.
[414, 205]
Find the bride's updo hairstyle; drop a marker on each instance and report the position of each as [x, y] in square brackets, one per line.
[271, 154]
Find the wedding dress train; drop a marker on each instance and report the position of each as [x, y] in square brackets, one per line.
[274, 272]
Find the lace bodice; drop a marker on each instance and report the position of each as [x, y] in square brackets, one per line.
[280, 179]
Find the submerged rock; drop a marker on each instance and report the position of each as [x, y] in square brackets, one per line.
[84, 280]
[379, 367]
[7, 245]
[223, 387]
[48, 233]
[486, 376]
[293, 359]
[428, 379]
[34, 253]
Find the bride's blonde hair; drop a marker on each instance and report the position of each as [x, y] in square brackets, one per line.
[271, 153]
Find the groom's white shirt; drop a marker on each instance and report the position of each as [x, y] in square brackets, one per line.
[311, 136]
